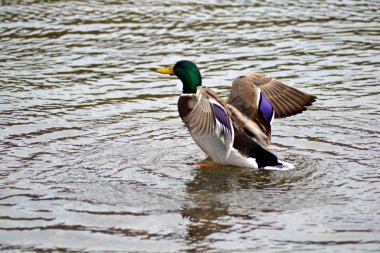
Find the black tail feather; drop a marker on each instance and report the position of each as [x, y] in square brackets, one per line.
[249, 147]
[264, 157]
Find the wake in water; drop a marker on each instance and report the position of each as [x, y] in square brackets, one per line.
[282, 166]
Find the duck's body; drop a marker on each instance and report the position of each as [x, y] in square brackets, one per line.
[236, 132]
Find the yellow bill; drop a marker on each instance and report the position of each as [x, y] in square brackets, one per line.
[169, 70]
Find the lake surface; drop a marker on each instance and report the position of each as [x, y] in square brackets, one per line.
[94, 156]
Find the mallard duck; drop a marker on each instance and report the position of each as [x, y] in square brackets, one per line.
[236, 132]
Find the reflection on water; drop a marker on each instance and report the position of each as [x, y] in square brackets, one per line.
[94, 157]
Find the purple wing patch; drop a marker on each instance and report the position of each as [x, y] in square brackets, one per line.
[265, 108]
[222, 116]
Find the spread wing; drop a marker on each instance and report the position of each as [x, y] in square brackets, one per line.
[285, 100]
[209, 117]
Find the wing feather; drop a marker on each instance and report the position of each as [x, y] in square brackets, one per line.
[286, 100]
[209, 117]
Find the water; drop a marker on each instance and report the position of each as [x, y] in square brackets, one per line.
[95, 158]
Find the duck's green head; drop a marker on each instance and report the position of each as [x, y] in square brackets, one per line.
[187, 72]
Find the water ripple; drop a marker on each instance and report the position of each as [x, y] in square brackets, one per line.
[92, 149]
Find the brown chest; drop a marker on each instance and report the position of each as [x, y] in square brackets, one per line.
[186, 104]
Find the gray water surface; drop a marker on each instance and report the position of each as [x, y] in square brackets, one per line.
[94, 156]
